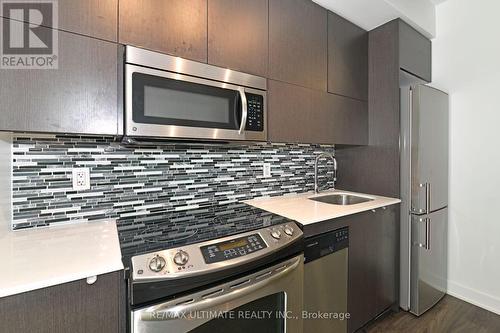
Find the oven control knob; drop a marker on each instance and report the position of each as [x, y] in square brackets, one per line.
[288, 230]
[276, 234]
[157, 263]
[181, 258]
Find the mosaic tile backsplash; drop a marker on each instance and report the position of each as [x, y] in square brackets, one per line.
[139, 185]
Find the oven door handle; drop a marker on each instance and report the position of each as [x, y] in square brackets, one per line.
[237, 290]
[244, 110]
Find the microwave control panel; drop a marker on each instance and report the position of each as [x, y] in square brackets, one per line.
[255, 119]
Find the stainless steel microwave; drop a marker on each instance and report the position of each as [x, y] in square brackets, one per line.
[174, 98]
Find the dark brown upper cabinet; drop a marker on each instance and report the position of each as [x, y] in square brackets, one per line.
[238, 35]
[290, 112]
[298, 43]
[343, 120]
[347, 58]
[94, 18]
[415, 52]
[176, 27]
[80, 96]
[304, 115]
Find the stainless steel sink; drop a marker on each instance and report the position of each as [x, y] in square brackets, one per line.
[341, 199]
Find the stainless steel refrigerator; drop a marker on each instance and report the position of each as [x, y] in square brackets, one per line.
[424, 191]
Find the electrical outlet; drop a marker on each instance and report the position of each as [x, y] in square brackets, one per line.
[81, 179]
[266, 170]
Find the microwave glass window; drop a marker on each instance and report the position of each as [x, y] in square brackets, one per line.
[185, 105]
[166, 101]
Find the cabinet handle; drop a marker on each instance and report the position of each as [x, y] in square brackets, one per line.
[91, 279]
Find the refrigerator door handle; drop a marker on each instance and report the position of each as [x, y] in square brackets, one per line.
[428, 234]
[427, 208]
[427, 198]
[427, 244]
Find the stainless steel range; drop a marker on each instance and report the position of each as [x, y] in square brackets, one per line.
[248, 282]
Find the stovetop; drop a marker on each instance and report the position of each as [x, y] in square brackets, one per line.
[182, 228]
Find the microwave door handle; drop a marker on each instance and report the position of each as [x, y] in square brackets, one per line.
[244, 110]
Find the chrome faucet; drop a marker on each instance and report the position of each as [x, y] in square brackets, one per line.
[324, 154]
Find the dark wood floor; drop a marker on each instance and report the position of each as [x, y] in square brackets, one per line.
[449, 315]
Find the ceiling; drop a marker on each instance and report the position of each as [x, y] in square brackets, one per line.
[370, 14]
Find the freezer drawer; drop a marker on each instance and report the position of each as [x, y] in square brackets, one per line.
[429, 149]
[429, 235]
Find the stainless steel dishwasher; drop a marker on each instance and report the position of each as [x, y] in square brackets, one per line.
[325, 282]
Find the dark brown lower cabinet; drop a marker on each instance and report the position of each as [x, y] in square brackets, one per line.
[298, 114]
[75, 307]
[373, 264]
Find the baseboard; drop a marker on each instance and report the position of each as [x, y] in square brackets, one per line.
[474, 297]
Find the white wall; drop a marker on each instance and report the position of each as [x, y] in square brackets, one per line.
[370, 14]
[466, 63]
[420, 14]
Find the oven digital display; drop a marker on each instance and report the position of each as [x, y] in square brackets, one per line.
[232, 249]
[231, 245]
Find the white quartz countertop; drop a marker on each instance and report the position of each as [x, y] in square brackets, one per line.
[298, 207]
[43, 257]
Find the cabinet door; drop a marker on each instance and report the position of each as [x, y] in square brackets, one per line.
[95, 18]
[81, 96]
[297, 114]
[373, 257]
[347, 58]
[415, 52]
[238, 35]
[362, 270]
[343, 120]
[298, 43]
[293, 113]
[387, 250]
[71, 307]
[176, 27]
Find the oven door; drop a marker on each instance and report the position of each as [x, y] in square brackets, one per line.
[166, 104]
[267, 301]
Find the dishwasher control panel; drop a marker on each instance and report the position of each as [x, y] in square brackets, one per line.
[321, 245]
